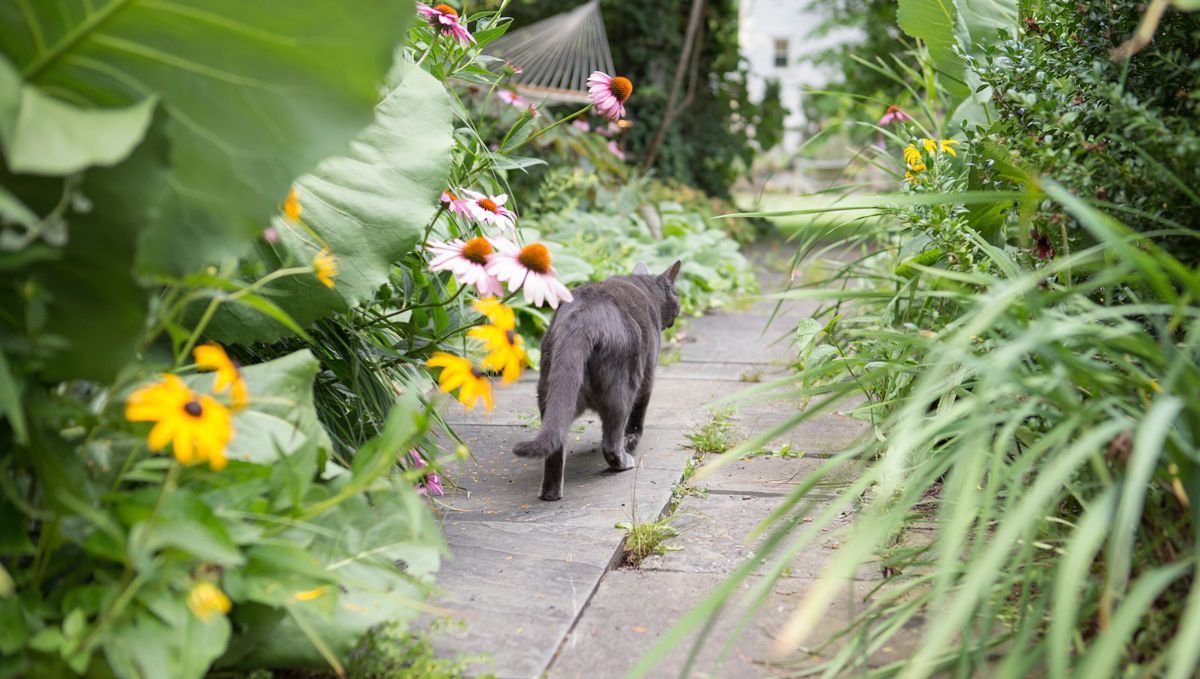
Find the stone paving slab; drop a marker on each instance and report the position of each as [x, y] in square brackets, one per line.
[632, 610]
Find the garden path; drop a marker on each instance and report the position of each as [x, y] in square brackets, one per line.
[540, 585]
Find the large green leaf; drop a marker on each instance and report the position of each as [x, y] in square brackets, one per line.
[934, 22]
[370, 207]
[256, 93]
[48, 136]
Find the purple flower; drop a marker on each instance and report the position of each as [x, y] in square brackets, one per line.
[581, 125]
[512, 98]
[608, 94]
[1041, 243]
[612, 146]
[444, 18]
[894, 113]
[433, 483]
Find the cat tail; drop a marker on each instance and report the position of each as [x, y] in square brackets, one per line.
[562, 398]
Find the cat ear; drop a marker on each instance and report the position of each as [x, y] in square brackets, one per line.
[673, 272]
[641, 269]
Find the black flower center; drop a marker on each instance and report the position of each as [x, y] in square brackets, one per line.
[193, 408]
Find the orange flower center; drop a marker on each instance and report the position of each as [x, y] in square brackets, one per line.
[893, 109]
[446, 9]
[489, 205]
[535, 257]
[452, 196]
[193, 408]
[621, 88]
[477, 250]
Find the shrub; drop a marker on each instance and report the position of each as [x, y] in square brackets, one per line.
[1120, 132]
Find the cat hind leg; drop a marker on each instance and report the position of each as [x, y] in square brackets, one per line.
[613, 440]
[552, 476]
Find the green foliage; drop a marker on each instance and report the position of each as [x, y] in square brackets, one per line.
[716, 435]
[281, 101]
[183, 200]
[1032, 405]
[389, 652]
[644, 539]
[1119, 132]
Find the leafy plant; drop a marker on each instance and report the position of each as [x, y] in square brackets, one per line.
[716, 435]
[390, 652]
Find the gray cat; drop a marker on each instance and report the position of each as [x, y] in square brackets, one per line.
[599, 354]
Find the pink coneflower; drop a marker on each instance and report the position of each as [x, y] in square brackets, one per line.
[603, 131]
[528, 268]
[456, 205]
[533, 112]
[511, 98]
[1041, 243]
[270, 234]
[510, 69]
[433, 483]
[581, 125]
[444, 18]
[612, 146]
[609, 94]
[490, 210]
[467, 260]
[894, 113]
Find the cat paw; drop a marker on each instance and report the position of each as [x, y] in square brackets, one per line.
[618, 461]
[632, 440]
[552, 495]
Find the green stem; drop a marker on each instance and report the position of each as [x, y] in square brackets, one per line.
[218, 300]
[488, 99]
[547, 129]
[429, 48]
[125, 467]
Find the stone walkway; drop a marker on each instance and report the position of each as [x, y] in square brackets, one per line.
[540, 585]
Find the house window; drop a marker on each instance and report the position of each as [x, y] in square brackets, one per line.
[781, 52]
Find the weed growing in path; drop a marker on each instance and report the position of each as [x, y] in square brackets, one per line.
[642, 540]
[717, 435]
[684, 488]
[389, 651]
[784, 451]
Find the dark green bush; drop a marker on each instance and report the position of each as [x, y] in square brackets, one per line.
[1121, 132]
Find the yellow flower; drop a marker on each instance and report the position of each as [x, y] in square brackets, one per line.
[507, 347]
[206, 600]
[291, 207]
[946, 146]
[213, 357]
[495, 311]
[508, 353]
[309, 595]
[930, 145]
[325, 266]
[197, 425]
[458, 373]
[912, 156]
